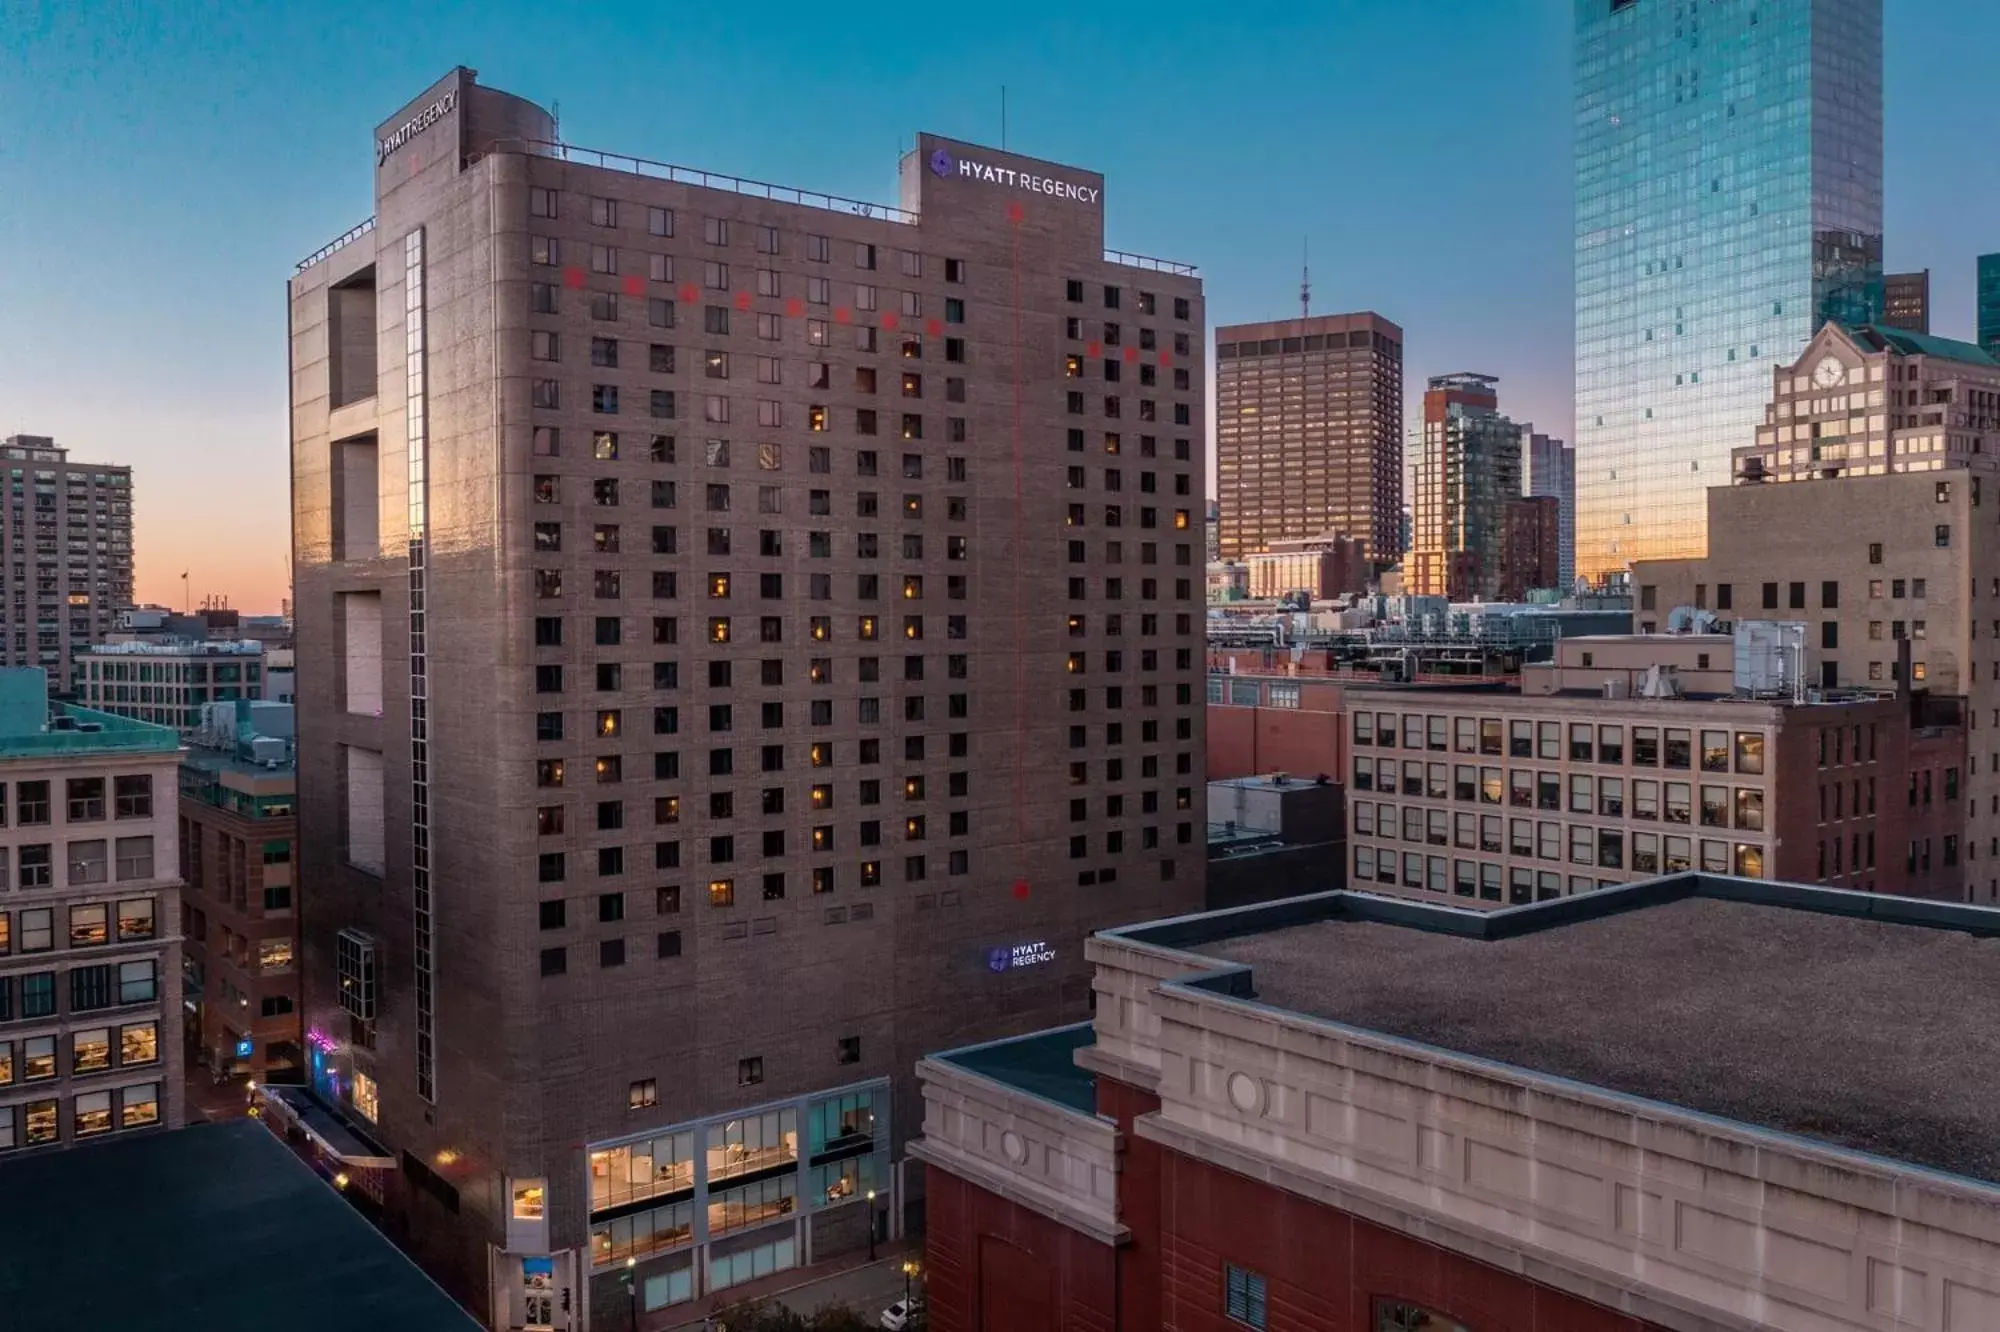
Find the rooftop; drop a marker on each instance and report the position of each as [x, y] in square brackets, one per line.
[213, 1227]
[1042, 1065]
[33, 726]
[1854, 1019]
[1925, 344]
[179, 647]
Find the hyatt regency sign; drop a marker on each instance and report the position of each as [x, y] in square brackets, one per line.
[416, 125]
[943, 164]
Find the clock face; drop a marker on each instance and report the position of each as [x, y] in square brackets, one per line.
[1829, 372]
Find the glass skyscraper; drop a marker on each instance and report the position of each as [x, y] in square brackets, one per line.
[1989, 302]
[1728, 203]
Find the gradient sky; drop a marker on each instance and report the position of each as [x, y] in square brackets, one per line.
[163, 166]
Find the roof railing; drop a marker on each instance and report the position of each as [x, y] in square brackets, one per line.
[1151, 264]
[340, 242]
[713, 180]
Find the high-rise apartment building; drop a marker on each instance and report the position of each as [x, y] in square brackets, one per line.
[1728, 203]
[1906, 301]
[1309, 432]
[1549, 468]
[1987, 299]
[90, 963]
[1466, 469]
[68, 572]
[748, 638]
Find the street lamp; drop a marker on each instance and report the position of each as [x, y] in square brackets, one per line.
[627, 1278]
[871, 1225]
[910, 1269]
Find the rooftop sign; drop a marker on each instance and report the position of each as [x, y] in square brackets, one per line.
[415, 125]
[945, 165]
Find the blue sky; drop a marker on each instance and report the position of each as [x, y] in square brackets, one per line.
[162, 166]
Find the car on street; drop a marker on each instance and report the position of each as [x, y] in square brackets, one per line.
[897, 1316]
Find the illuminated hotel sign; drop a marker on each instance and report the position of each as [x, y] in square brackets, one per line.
[416, 125]
[943, 164]
[1014, 957]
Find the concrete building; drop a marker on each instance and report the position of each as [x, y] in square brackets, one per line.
[1212, 533]
[1871, 401]
[1549, 468]
[90, 962]
[1487, 797]
[677, 765]
[1906, 301]
[1309, 432]
[1277, 834]
[1466, 469]
[68, 533]
[1530, 546]
[170, 682]
[238, 838]
[1228, 582]
[1682, 1105]
[1322, 567]
[1986, 299]
[1692, 283]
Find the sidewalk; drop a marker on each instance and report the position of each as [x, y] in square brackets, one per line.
[849, 1279]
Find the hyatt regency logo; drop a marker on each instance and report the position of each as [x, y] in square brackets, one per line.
[944, 165]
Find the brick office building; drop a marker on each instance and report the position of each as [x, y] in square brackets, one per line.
[1685, 1105]
[733, 622]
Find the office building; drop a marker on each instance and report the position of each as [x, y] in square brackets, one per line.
[90, 983]
[1211, 533]
[1309, 432]
[1466, 469]
[1549, 468]
[238, 836]
[69, 524]
[1320, 567]
[1987, 302]
[1681, 1105]
[677, 765]
[1487, 798]
[170, 681]
[1906, 301]
[1692, 280]
[1530, 546]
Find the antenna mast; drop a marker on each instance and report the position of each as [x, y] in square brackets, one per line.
[1305, 279]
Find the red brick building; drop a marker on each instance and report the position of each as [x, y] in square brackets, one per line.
[1275, 1121]
[1530, 546]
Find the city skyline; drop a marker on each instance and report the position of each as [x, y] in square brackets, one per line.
[182, 385]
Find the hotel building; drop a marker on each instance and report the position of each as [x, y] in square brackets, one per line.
[748, 638]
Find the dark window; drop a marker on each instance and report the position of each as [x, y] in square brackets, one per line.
[555, 961]
[1829, 595]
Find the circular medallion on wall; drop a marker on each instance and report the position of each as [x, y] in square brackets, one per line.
[1013, 1148]
[1246, 1093]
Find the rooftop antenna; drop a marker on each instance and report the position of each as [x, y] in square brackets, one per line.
[1003, 117]
[555, 120]
[1305, 278]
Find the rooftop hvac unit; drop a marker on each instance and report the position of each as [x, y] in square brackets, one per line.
[1617, 688]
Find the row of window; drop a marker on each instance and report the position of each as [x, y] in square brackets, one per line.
[104, 985]
[1740, 807]
[1587, 743]
[662, 312]
[547, 252]
[39, 1123]
[33, 929]
[131, 797]
[92, 1050]
[88, 862]
[1601, 848]
[719, 498]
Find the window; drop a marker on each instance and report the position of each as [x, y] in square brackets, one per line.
[134, 796]
[86, 799]
[1397, 1316]
[1242, 1290]
[135, 858]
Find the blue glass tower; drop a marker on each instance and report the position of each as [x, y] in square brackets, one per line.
[1989, 302]
[1728, 203]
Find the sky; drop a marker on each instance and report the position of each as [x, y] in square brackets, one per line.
[164, 165]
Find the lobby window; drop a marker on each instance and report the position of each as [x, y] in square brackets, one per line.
[1243, 1296]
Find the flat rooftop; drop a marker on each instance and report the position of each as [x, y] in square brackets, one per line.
[1042, 1065]
[1865, 1021]
[217, 1227]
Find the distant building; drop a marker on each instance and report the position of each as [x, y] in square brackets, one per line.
[1467, 469]
[168, 681]
[1682, 1105]
[1987, 298]
[1873, 400]
[1309, 431]
[1228, 582]
[1906, 301]
[1522, 797]
[1728, 188]
[1530, 546]
[90, 959]
[239, 831]
[1322, 567]
[1212, 531]
[1549, 468]
[74, 522]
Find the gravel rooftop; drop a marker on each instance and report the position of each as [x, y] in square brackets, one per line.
[1880, 1037]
